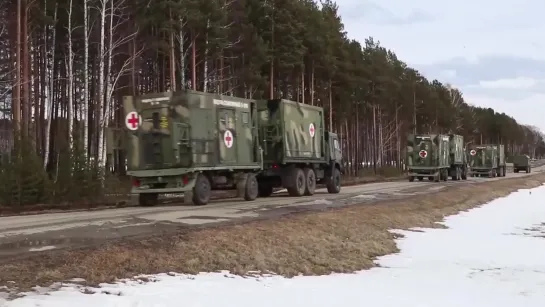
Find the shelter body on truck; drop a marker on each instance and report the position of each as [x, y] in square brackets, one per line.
[522, 163]
[298, 152]
[193, 142]
[487, 160]
[436, 156]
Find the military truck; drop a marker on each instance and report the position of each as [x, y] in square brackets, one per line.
[487, 160]
[193, 142]
[436, 156]
[298, 152]
[522, 163]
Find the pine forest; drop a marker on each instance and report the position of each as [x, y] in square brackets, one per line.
[65, 66]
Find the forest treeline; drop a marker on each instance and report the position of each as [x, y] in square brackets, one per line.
[65, 66]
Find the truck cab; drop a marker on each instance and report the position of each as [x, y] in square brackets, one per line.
[335, 151]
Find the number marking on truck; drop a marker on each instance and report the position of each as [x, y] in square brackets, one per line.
[228, 103]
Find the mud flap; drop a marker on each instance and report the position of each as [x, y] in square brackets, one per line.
[241, 184]
[188, 197]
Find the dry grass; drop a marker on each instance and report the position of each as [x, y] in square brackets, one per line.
[342, 240]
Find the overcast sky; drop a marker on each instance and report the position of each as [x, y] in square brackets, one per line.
[494, 51]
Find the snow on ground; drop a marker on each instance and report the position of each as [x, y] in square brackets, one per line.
[489, 256]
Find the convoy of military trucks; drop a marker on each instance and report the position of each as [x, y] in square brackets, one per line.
[439, 156]
[192, 142]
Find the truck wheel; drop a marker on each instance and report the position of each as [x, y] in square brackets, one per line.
[411, 178]
[148, 199]
[430, 178]
[265, 189]
[251, 190]
[298, 182]
[334, 182]
[420, 178]
[464, 174]
[201, 191]
[516, 170]
[445, 175]
[527, 170]
[310, 176]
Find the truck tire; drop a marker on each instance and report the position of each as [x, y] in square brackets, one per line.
[252, 189]
[457, 173]
[148, 199]
[333, 183]
[201, 191]
[310, 177]
[297, 182]
[464, 173]
[528, 170]
[265, 189]
[411, 178]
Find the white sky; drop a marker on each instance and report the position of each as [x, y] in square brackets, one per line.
[494, 51]
[491, 256]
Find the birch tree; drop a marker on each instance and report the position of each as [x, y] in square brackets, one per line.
[70, 70]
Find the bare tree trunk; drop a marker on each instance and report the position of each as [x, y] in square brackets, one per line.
[194, 61]
[303, 85]
[172, 60]
[101, 87]
[85, 107]
[183, 54]
[330, 106]
[17, 92]
[70, 68]
[50, 88]
[205, 59]
[25, 79]
[312, 84]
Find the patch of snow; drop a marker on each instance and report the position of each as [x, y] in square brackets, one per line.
[485, 258]
[403, 194]
[42, 248]
[365, 196]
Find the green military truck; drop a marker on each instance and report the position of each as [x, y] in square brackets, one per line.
[193, 142]
[522, 163]
[298, 152]
[436, 156]
[487, 160]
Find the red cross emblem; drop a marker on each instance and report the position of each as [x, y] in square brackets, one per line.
[228, 139]
[311, 130]
[473, 152]
[132, 120]
[423, 154]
